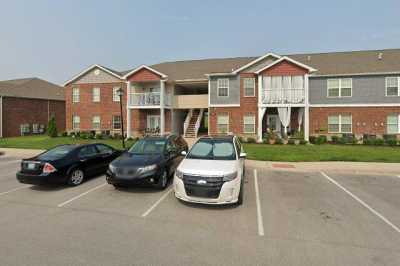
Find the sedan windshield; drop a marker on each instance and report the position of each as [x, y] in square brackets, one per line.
[148, 146]
[56, 153]
[213, 150]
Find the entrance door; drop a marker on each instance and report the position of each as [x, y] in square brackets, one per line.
[274, 123]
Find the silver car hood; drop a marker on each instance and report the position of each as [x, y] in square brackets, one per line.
[208, 167]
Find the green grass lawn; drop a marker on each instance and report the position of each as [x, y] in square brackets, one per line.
[45, 142]
[326, 152]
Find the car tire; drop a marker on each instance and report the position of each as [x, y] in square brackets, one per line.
[119, 186]
[76, 177]
[163, 180]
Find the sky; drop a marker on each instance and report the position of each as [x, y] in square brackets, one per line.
[55, 40]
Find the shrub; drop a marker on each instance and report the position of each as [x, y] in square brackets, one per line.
[313, 139]
[91, 135]
[251, 140]
[84, 135]
[391, 142]
[378, 142]
[303, 142]
[52, 128]
[291, 142]
[279, 141]
[389, 137]
[241, 139]
[321, 140]
[335, 139]
[98, 136]
[64, 134]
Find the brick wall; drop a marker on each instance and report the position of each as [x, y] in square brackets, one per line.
[17, 111]
[365, 120]
[284, 68]
[144, 75]
[86, 108]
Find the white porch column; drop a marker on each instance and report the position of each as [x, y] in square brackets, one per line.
[128, 111]
[260, 110]
[162, 107]
[306, 109]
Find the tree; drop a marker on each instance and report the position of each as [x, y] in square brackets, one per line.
[52, 128]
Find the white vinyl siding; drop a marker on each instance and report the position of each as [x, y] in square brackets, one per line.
[223, 123]
[393, 124]
[76, 122]
[223, 87]
[116, 122]
[392, 86]
[339, 124]
[96, 94]
[249, 123]
[75, 95]
[249, 87]
[96, 122]
[340, 87]
[115, 94]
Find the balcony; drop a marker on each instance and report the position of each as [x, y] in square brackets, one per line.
[283, 96]
[148, 99]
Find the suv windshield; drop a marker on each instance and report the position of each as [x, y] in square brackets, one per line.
[56, 153]
[148, 146]
[209, 149]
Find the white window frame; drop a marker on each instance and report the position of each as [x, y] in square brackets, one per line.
[398, 123]
[253, 116]
[149, 117]
[93, 122]
[340, 88]
[94, 95]
[74, 122]
[340, 124]
[225, 86]
[253, 87]
[227, 125]
[115, 94]
[113, 122]
[398, 87]
[75, 95]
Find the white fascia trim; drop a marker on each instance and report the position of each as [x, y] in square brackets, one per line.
[220, 74]
[285, 58]
[90, 68]
[355, 74]
[256, 61]
[282, 105]
[190, 80]
[146, 67]
[224, 105]
[358, 105]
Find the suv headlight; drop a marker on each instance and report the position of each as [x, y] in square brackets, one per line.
[178, 174]
[230, 177]
[147, 168]
[112, 168]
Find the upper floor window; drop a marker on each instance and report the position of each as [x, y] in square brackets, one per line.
[75, 95]
[340, 87]
[96, 122]
[249, 123]
[116, 122]
[223, 87]
[339, 124]
[393, 124]
[116, 94]
[76, 122]
[223, 123]
[392, 86]
[96, 94]
[249, 87]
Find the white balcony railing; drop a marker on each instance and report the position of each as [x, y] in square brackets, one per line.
[148, 99]
[284, 96]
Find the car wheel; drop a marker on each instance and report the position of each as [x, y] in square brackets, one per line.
[76, 177]
[163, 180]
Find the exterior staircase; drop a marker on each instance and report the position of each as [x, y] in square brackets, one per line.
[191, 128]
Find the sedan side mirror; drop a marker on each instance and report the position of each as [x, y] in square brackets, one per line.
[183, 153]
[243, 155]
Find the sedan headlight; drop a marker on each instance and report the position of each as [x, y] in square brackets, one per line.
[179, 174]
[147, 168]
[230, 177]
[112, 168]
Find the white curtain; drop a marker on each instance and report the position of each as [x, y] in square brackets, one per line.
[300, 117]
[284, 116]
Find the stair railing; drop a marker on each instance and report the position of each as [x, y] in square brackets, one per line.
[198, 122]
[187, 121]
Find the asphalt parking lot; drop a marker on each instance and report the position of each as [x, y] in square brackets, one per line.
[288, 218]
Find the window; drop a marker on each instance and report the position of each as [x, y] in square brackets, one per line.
[25, 129]
[116, 122]
[115, 94]
[35, 128]
[339, 124]
[223, 123]
[104, 149]
[87, 152]
[76, 122]
[249, 123]
[392, 86]
[75, 95]
[96, 94]
[249, 87]
[96, 123]
[340, 87]
[223, 87]
[393, 125]
[153, 121]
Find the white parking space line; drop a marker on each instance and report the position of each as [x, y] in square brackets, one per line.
[15, 189]
[156, 203]
[81, 195]
[9, 162]
[383, 218]
[259, 213]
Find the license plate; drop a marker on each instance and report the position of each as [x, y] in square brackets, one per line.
[31, 166]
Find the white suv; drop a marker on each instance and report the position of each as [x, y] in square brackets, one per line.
[212, 172]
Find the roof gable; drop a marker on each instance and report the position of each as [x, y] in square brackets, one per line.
[144, 73]
[96, 74]
[257, 63]
[287, 59]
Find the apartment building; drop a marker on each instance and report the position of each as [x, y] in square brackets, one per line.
[317, 93]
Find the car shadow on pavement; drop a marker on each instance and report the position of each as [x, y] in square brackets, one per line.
[49, 187]
[209, 207]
